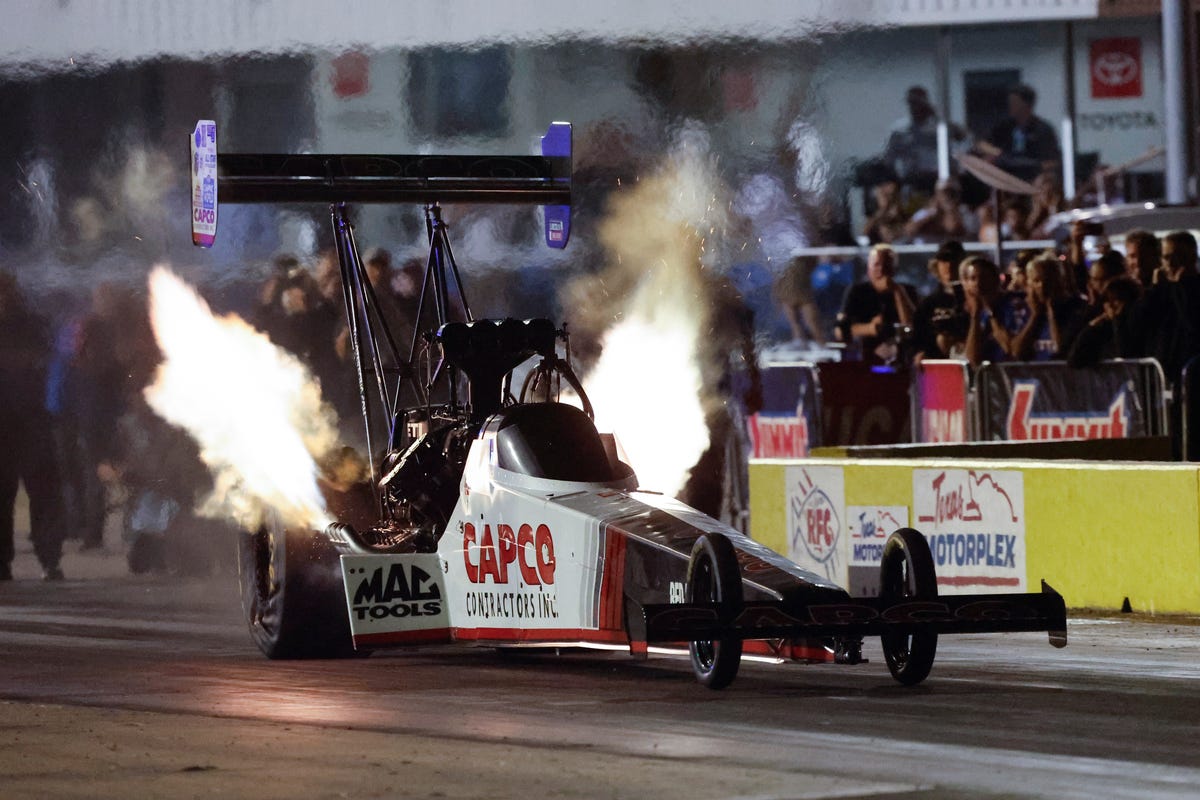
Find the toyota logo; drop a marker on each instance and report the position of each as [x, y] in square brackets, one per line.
[1115, 69]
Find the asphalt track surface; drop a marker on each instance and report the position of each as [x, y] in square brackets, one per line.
[151, 687]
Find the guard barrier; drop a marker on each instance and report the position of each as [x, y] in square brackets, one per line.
[1099, 533]
[1038, 401]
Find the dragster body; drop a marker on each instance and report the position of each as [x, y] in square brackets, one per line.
[503, 517]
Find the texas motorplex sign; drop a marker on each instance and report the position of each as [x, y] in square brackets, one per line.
[975, 523]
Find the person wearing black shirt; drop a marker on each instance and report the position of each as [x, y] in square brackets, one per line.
[25, 432]
[939, 322]
[872, 309]
[1024, 144]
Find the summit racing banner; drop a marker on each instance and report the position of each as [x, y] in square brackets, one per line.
[1050, 401]
[786, 426]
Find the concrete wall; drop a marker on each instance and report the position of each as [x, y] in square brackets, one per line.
[1098, 533]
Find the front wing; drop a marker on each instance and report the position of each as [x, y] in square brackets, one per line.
[854, 617]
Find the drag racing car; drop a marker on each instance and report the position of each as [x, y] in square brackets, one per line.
[501, 516]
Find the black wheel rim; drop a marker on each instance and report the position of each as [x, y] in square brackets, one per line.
[898, 585]
[704, 589]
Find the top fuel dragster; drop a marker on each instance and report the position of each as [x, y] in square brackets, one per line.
[507, 519]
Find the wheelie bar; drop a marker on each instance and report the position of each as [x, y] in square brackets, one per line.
[870, 616]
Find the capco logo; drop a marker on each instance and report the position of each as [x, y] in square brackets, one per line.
[489, 557]
[415, 589]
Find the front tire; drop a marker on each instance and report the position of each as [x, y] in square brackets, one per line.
[713, 576]
[907, 572]
[292, 593]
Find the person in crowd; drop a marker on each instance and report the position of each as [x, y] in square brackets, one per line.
[912, 148]
[1053, 313]
[1086, 242]
[1142, 255]
[939, 324]
[26, 442]
[1014, 274]
[1047, 201]
[1116, 332]
[1104, 269]
[1172, 305]
[793, 293]
[115, 358]
[1012, 221]
[988, 332]
[873, 309]
[944, 218]
[886, 225]
[1024, 144]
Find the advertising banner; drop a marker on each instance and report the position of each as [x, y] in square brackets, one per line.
[1050, 401]
[869, 528]
[939, 397]
[816, 526]
[975, 522]
[786, 426]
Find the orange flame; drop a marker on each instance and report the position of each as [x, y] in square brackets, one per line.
[648, 386]
[253, 408]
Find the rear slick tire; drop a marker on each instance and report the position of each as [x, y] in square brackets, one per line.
[713, 576]
[292, 593]
[906, 571]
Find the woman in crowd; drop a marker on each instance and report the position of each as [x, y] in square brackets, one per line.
[1053, 313]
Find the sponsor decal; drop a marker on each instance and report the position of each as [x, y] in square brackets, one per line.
[779, 435]
[975, 523]
[1116, 67]
[408, 591]
[1021, 424]
[488, 558]
[388, 594]
[676, 592]
[815, 514]
[870, 527]
[204, 183]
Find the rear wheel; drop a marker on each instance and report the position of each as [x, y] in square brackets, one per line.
[714, 577]
[906, 571]
[292, 593]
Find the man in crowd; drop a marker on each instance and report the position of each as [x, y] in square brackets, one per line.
[939, 324]
[912, 147]
[26, 443]
[1142, 255]
[872, 309]
[1024, 144]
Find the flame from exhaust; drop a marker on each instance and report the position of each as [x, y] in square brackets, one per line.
[648, 386]
[253, 408]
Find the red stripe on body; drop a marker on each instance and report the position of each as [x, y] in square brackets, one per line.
[432, 636]
[978, 580]
[612, 586]
[541, 635]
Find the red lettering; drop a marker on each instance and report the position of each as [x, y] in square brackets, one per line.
[544, 548]
[468, 543]
[508, 550]
[531, 550]
[526, 547]
[488, 563]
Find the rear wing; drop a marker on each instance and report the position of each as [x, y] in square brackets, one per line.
[339, 178]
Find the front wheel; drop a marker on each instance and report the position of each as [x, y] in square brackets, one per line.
[713, 576]
[292, 593]
[906, 572]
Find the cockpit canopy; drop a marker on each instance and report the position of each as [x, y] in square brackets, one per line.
[554, 441]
